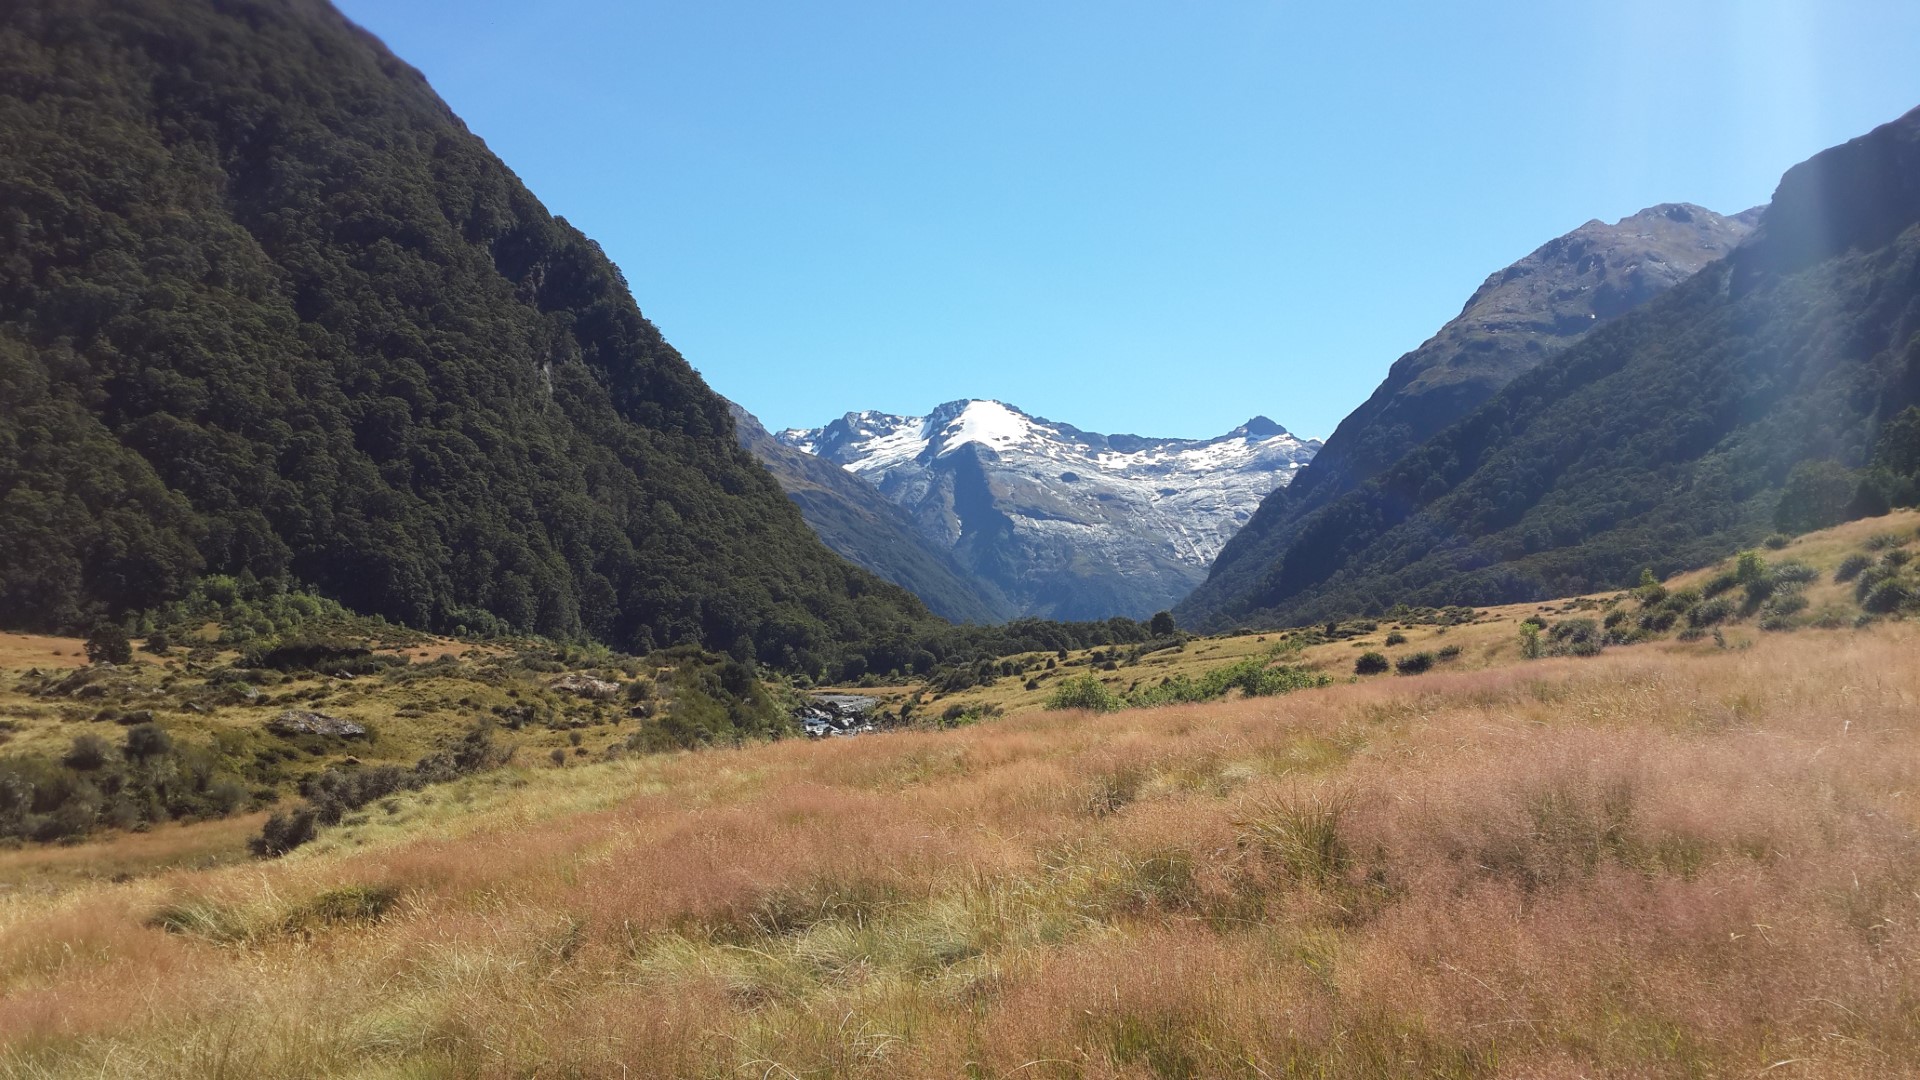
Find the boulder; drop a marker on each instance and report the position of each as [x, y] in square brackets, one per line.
[585, 686]
[304, 722]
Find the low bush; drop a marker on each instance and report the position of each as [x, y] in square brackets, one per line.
[1371, 663]
[1576, 637]
[1083, 692]
[1414, 663]
[1851, 567]
[1396, 638]
[1887, 597]
[1795, 573]
[1777, 541]
[1709, 613]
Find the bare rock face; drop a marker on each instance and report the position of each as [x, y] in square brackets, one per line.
[585, 686]
[1067, 524]
[305, 722]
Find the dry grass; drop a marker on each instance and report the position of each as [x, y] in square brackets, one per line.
[1666, 861]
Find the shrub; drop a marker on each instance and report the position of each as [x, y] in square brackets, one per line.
[1851, 567]
[1659, 622]
[1451, 652]
[1795, 573]
[284, 832]
[1650, 591]
[1898, 557]
[1576, 637]
[1721, 583]
[1888, 596]
[107, 643]
[1414, 663]
[1883, 541]
[146, 741]
[159, 643]
[1787, 604]
[88, 752]
[1396, 638]
[1777, 541]
[1709, 613]
[1083, 692]
[1371, 663]
[1869, 580]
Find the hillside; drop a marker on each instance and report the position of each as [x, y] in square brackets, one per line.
[269, 312]
[1067, 524]
[1664, 439]
[1653, 861]
[1518, 319]
[853, 518]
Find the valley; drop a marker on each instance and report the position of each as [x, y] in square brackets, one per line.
[1281, 882]
[413, 665]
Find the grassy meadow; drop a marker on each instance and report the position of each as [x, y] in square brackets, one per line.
[1670, 860]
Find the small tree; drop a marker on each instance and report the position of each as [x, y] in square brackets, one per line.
[1371, 663]
[1650, 591]
[107, 643]
[1162, 624]
[1530, 646]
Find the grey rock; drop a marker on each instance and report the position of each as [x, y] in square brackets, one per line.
[585, 686]
[304, 722]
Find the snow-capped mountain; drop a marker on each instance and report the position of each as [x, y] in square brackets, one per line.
[1069, 524]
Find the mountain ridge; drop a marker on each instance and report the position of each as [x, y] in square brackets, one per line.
[1518, 318]
[853, 518]
[1067, 523]
[1668, 437]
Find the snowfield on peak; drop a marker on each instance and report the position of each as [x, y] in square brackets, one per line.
[1070, 523]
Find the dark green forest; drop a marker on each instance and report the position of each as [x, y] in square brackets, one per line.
[268, 310]
[1772, 390]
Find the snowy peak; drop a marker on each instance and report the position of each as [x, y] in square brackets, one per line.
[1075, 524]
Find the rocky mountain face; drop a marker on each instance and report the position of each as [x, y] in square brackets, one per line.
[1665, 439]
[1067, 524]
[854, 519]
[1515, 321]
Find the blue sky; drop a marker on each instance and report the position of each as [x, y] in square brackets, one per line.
[1159, 218]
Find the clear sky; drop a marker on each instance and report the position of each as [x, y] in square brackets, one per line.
[1159, 218]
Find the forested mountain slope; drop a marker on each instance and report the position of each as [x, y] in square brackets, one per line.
[854, 519]
[267, 309]
[1661, 440]
[1515, 321]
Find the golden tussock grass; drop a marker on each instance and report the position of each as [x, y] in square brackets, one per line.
[1665, 861]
